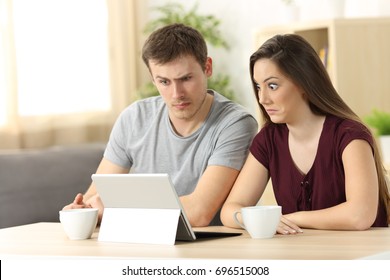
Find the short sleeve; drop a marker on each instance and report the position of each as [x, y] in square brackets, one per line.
[259, 148]
[350, 131]
[233, 143]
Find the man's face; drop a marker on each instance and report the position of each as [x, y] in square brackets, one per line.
[182, 84]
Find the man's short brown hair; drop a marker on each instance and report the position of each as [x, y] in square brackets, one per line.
[172, 41]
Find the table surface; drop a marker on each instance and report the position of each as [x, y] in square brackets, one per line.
[49, 239]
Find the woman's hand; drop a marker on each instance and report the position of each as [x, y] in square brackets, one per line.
[287, 227]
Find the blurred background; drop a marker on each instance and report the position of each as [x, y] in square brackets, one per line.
[69, 67]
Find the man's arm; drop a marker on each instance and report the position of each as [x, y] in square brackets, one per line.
[215, 183]
[91, 197]
[105, 167]
[209, 194]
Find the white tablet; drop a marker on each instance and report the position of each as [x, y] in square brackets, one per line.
[151, 191]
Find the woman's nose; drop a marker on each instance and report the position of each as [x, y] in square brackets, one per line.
[263, 97]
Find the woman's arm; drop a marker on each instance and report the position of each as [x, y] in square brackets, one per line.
[246, 191]
[361, 188]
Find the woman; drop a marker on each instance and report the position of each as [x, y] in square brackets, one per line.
[323, 161]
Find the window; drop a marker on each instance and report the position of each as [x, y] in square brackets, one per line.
[3, 80]
[61, 50]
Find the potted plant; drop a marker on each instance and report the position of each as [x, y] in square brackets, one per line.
[380, 122]
[207, 25]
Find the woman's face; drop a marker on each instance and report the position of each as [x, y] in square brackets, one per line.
[280, 97]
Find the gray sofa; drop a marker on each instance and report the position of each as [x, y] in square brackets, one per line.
[36, 184]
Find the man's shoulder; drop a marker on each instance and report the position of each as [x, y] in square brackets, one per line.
[146, 105]
[226, 106]
[223, 102]
[142, 112]
[229, 114]
[153, 101]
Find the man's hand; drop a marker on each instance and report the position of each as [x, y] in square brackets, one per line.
[77, 203]
[92, 202]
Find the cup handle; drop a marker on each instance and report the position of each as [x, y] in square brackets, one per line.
[236, 219]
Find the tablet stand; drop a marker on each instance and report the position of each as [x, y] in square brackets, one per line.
[139, 225]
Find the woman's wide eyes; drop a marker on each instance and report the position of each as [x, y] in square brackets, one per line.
[273, 86]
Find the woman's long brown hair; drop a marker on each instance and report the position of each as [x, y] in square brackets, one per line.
[297, 59]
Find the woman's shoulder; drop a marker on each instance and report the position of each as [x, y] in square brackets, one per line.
[345, 130]
[272, 133]
[345, 125]
[272, 128]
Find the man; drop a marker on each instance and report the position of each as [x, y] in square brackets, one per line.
[196, 135]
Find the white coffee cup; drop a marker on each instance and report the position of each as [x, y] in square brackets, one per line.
[79, 223]
[260, 221]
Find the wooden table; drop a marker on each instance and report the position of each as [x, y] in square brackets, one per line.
[49, 239]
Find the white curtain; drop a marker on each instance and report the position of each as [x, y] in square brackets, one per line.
[67, 69]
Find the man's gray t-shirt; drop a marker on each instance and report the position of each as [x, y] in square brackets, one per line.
[143, 139]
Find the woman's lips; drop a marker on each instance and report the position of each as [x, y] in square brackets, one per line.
[270, 111]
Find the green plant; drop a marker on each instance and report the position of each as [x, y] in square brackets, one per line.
[207, 25]
[380, 121]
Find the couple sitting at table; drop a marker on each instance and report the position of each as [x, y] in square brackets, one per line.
[323, 161]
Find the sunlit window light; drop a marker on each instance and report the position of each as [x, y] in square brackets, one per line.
[3, 111]
[61, 56]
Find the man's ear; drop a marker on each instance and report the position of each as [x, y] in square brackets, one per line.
[209, 67]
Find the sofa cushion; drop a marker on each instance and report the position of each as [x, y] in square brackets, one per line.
[36, 184]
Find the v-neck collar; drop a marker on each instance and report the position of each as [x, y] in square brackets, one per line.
[296, 169]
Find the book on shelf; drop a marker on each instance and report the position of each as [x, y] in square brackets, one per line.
[324, 55]
[326, 59]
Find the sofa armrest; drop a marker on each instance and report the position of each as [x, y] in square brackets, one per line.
[36, 184]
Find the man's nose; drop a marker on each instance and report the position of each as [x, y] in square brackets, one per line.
[177, 91]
